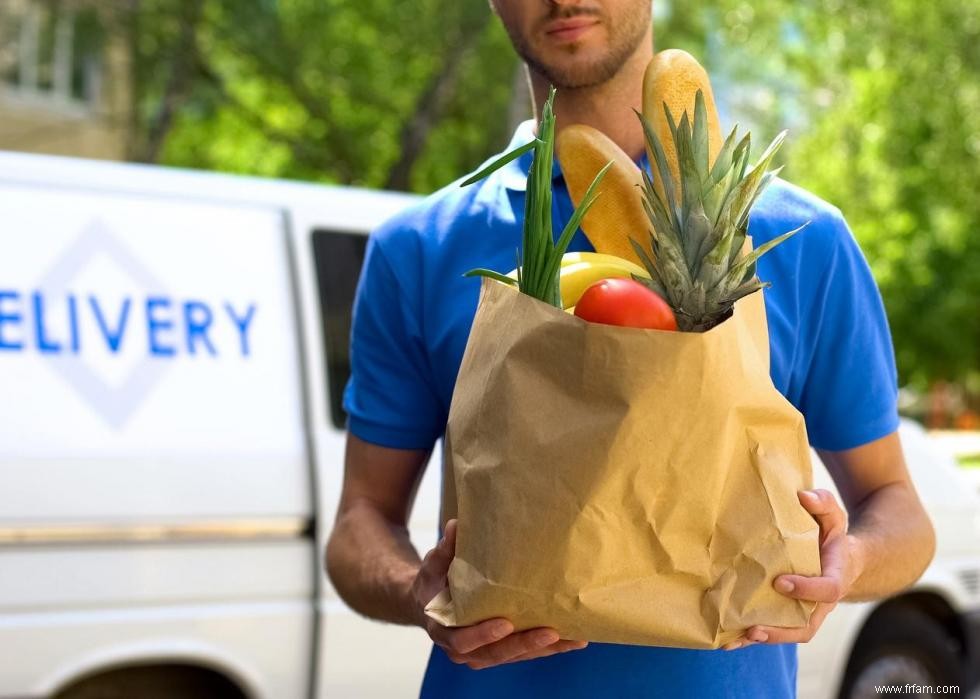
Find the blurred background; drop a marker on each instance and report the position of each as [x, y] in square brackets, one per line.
[881, 99]
[390, 97]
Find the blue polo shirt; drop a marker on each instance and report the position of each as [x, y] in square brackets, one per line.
[831, 357]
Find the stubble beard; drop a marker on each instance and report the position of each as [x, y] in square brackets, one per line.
[623, 41]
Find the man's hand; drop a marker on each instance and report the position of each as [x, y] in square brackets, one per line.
[491, 642]
[841, 562]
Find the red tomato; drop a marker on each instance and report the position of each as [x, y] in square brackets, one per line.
[627, 303]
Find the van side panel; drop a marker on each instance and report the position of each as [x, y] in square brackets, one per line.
[148, 359]
[155, 484]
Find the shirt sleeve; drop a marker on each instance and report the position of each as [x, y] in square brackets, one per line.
[390, 398]
[850, 382]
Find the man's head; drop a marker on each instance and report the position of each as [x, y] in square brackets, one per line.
[575, 43]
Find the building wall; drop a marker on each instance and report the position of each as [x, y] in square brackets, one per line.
[54, 97]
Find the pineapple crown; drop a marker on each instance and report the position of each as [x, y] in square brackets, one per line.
[699, 224]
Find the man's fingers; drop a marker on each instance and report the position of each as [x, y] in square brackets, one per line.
[566, 645]
[466, 639]
[824, 508]
[820, 589]
[826, 587]
[517, 644]
[739, 643]
[482, 646]
[803, 634]
[562, 646]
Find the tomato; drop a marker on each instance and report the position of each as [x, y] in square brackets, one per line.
[627, 303]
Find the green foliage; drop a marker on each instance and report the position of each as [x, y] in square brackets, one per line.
[699, 225]
[474, 125]
[539, 258]
[880, 98]
[332, 90]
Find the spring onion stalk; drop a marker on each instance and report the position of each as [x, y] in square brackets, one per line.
[539, 258]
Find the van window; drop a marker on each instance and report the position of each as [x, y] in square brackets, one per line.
[53, 55]
[338, 256]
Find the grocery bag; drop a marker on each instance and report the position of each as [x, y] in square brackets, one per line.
[623, 485]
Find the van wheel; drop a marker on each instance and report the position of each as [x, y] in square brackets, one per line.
[901, 646]
[154, 682]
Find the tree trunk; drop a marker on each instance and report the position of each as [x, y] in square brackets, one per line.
[432, 102]
[175, 93]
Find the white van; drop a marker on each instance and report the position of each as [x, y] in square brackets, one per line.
[173, 347]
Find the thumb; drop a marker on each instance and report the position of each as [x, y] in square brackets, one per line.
[439, 558]
[447, 545]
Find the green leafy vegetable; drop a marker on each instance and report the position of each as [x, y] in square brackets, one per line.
[539, 259]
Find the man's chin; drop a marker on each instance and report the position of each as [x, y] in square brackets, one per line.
[576, 66]
[576, 76]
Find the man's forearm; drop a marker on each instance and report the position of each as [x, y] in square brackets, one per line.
[894, 540]
[372, 563]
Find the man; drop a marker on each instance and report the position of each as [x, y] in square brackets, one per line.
[831, 357]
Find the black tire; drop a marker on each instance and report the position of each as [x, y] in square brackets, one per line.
[153, 682]
[901, 645]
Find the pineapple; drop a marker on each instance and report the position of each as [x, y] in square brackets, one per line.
[699, 224]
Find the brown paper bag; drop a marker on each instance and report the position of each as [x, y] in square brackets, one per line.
[623, 485]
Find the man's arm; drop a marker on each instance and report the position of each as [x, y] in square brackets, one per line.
[376, 570]
[370, 557]
[889, 527]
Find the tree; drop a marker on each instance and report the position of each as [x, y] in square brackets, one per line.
[880, 98]
[320, 90]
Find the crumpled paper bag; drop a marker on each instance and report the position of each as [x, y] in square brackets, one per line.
[623, 485]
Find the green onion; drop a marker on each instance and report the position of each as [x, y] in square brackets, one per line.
[539, 259]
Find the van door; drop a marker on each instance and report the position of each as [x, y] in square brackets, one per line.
[153, 463]
[351, 647]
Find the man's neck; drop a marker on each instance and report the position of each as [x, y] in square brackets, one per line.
[607, 107]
